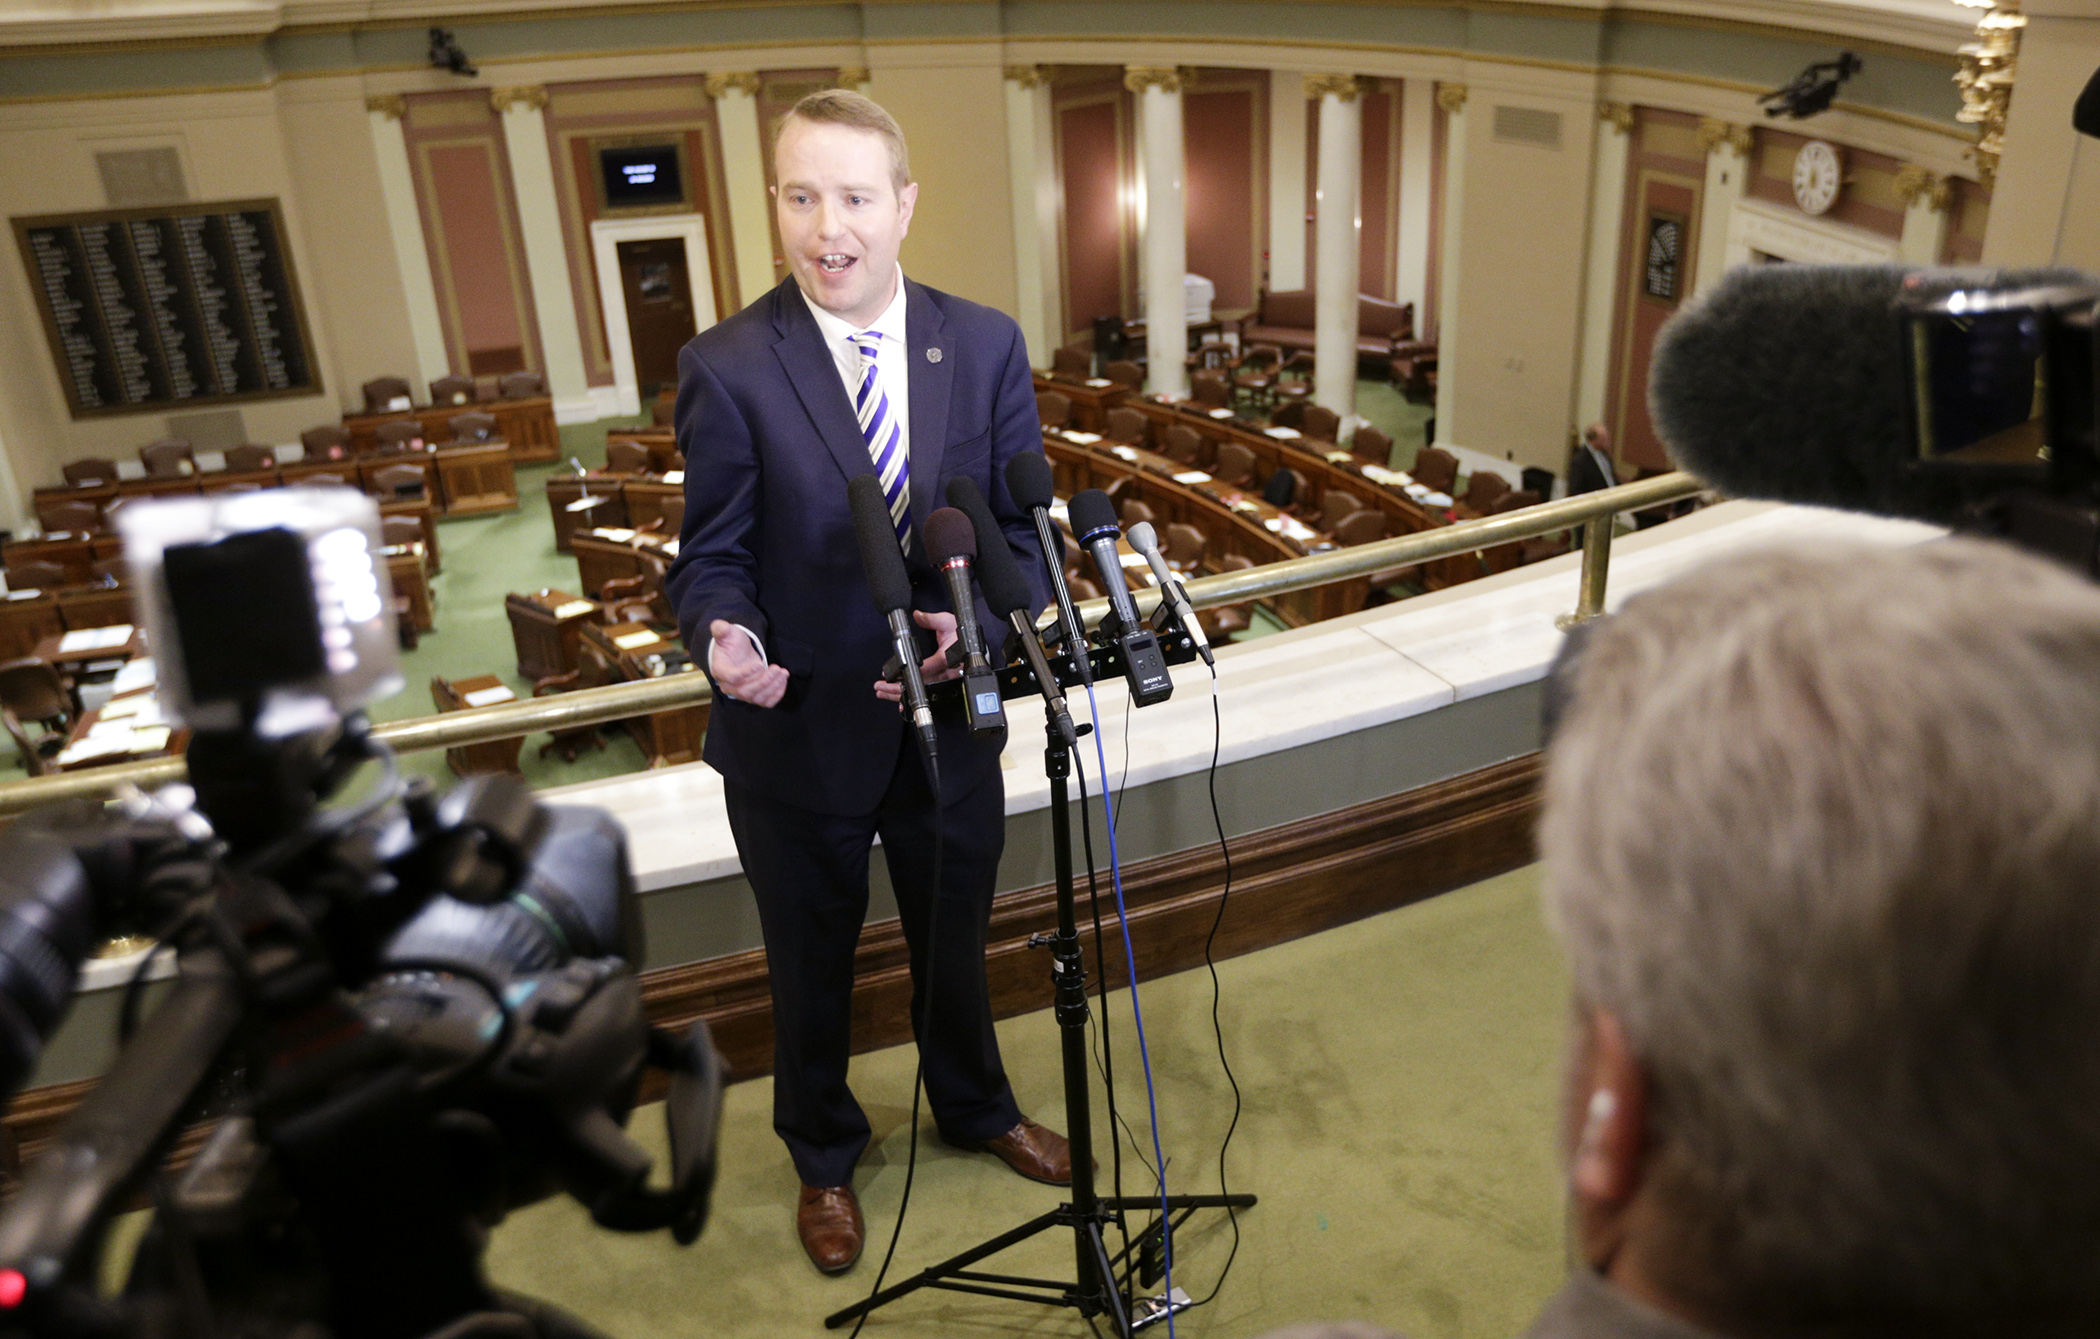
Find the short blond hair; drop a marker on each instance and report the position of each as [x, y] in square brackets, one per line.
[843, 107]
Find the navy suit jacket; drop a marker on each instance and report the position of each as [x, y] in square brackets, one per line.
[770, 441]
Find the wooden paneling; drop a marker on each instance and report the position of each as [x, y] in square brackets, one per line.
[1665, 174]
[1097, 235]
[1226, 141]
[470, 224]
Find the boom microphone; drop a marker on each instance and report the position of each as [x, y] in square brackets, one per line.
[1094, 521]
[883, 563]
[1144, 541]
[951, 542]
[1028, 481]
[1006, 591]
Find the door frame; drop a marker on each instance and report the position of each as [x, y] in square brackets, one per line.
[606, 236]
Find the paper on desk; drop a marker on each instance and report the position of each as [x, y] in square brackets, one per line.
[617, 534]
[670, 546]
[136, 674]
[1099, 381]
[94, 639]
[674, 476]
[1419, 492]
[1437, 499]
[1123, 452]
[123, 707]
[1221, 413]
[148, 739]
[573, 608]
[488, 697]
[1298, 529]
[1392, 478]
[91, 748]
[29, 594]
[585, 503]
[1082, 438]
[1338, 457]
[1131, 559]
[1283, 434]
[1192, 477]
[634, 639]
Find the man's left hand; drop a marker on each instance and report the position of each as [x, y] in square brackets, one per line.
[935, 667]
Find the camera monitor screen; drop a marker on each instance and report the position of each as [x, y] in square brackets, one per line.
[637, 177]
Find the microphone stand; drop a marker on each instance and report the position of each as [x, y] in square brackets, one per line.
[1103, 1284]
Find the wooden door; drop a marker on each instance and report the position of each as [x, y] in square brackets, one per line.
[659, 293]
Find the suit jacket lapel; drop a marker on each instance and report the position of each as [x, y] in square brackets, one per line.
[815, 376]
[931, 375]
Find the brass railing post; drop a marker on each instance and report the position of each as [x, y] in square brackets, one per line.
[1596, 563]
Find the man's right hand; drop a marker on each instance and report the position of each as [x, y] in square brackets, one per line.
[734, 662]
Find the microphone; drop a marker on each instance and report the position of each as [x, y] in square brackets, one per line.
[1795, 382]
[883, 563]
[1094, 521]
[1144, 541]
[1006, 591]
[951, 542]
[1028, 481]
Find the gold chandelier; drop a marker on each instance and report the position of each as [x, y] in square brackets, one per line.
[1986, 77]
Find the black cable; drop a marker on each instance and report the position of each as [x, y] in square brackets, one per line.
[1104, 1054]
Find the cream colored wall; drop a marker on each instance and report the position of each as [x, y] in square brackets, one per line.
[950, 99]
[2048, 165]
[1519, 275]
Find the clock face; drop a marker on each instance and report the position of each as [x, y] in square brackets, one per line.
[1818, 176]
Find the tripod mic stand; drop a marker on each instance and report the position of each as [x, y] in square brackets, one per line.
[1103, 1284]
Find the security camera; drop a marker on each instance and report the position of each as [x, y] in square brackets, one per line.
[447, 54]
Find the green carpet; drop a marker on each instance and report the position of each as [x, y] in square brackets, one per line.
[1400, 1079]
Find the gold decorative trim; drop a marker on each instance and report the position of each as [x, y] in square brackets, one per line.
[532, 97]
[1988, 67]
[853, 77]
[1027, 76]
[1165, 78]
[394, 105]
[743, 81]
[1714, 132]
[1917, 184]
[1345, 87]
[1617, 115]
[1451, 97]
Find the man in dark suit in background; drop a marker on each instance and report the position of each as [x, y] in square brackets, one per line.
[847, 369]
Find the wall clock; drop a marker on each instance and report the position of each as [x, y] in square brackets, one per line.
[1819, 174]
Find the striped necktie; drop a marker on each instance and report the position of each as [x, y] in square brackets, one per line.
[885, 436]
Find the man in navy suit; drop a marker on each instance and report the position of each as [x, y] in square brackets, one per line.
[847, 369]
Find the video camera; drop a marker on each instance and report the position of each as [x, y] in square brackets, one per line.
[401, 1017]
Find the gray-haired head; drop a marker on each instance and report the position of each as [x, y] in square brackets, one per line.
[1822, 832]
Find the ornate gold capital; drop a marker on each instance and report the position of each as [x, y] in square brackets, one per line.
[744, 81]
[1714, 132]
[1989, 66]
[1027, 76]
[393, 105]
[1165, 78]
[532, 96]
[1617, 115]
[1451, 97]
[853, 77]
[1345, 87]
[1916, 184]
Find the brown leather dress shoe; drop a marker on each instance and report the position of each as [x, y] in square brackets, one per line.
[828, 1220]
[1035, 1151]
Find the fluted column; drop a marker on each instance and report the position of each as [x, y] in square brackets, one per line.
[397, 189]
[523, 111]
[1601, 268]
[1032, 170]
[1286, 181]
[744, 148]
[1926, 196]
[1166, 242]
[1338, 263]
[1417, 148]
[1727, 149]
[1451, 241]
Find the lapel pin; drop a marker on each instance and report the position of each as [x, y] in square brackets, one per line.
[933, 355]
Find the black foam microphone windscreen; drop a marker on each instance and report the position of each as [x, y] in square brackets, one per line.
[881, 561]
[2085, 113]
[949, 534]
[1028, 479]
[998, 575]
[1092, 510]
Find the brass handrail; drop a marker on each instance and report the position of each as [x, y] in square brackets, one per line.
[595, 706]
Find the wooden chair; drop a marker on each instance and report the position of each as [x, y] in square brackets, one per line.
[1235, 465]
[1284, 489]
[592, 670]
[623, 457]
[35, 574]
[72, 516]
[1211, 390]
[1053, 409]
[381, 392]
[1336, 506]
[472, 427]
[1183, 445]
[491, 756]
[522, 385]
[250, 457]
[1435, 469]
[1255, 377]
[325, 479]
[454, 389]
[1484, 489]
[110, 571]
[396, 438]
[330, 441]
[1125, 426]
[1321, 423]
[1359, 527]
[487, 390]
[93, 470]
[1503, 557]
[1185, 546]
[168, 458]
[1082, 589]
[401, 531]
[1371, 447]
[32, 690]
[1290, 414]
[1294, 379]
[1124, 373]
[400, 483]
[1073, 361]
[1222, 623]
[1135, 510]
[1212, 356]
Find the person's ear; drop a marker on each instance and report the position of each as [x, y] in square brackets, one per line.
[1610, 1141]
[907, 200]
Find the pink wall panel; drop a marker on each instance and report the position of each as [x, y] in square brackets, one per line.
[1220, 185]
[473, 219]
[1090, 163]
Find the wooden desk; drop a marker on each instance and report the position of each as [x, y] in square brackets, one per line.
[565, 490]
[94, 606]
[47, 498]
[26, 619]
[231, 481]
[410, 579]
[476, 478]
[1090, 404]
[662, 443]
[491, 755]
[526, 426]
[650, 498]
[171, 741]
[666, 737]
[426, 516]
[367, 469]
[546, 626]
[600, 559]
[73, 551]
